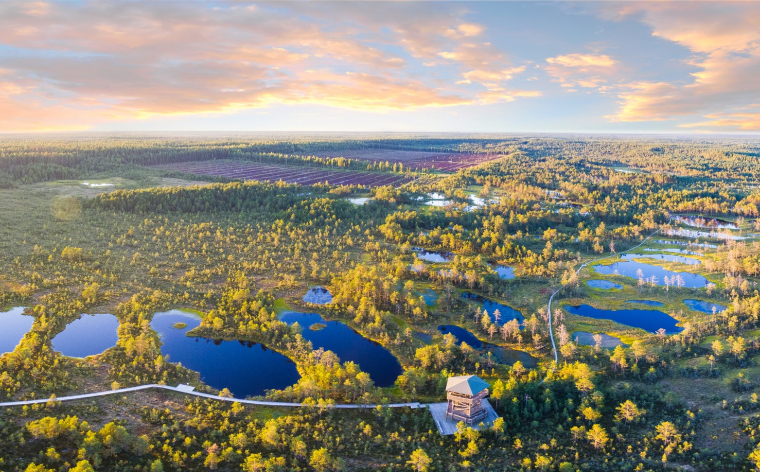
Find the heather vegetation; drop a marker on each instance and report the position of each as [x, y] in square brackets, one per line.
[399, 266]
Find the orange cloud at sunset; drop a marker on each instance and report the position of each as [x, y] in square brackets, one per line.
[580, 70]
[725, 40]
[597, 65]
[137, 60]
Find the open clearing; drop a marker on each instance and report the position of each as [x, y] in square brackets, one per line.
[446, 162]
[290, 174]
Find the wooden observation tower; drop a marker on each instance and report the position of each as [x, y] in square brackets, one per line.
[465, 394]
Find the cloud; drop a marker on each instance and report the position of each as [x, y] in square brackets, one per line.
[724, 41]
[497, 95]
[584, 61]
[86, 62]
[745, 121]
[580, 70]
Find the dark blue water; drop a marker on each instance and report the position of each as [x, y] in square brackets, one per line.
[318, 296]
[664, 257]
[507, 313]
[15, 324]
[430, 297]
[462, 335]
[87, 336]
[245, 368]
[433, 256]
[500, 355]
[648, 320]
[630, 269]
[703, 306]
[603, 284]
[504, 272]
[646, 302]
[349, 345]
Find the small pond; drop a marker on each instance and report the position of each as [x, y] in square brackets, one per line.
[506, 312]
[433, 256]
[704, 306]
[462, 335]
[15, 324]
[245, 368]
[318, 296]
[584, 338]
[359, 201]
[646, 302]
[424, 337]
[676, 250]
[682, 243]
[663, 257]
[505, 272]
[603, 284]
[630, 268]
[349, 345]
[87, 336]
[701, 222]
[507, 356]
[648, 320]
[430, 297]
[688, 233]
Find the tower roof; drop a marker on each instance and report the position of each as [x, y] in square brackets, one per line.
[466, 384]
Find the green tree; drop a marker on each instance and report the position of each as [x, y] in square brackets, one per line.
[598, 436]
[83, 466]
[419, 460]
[322, 461]
[628, 412]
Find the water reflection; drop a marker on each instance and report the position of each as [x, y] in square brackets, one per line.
[652, 274]
[87, 336]
[245, 368]
[648, 320]
[15, 324]
[374, 359]
[318, 296]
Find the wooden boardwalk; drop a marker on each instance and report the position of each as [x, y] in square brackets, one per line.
[189, 390]
[447, 427]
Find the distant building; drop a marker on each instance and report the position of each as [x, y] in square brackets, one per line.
[465, 395]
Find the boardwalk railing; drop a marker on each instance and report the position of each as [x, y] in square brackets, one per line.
[188, 390]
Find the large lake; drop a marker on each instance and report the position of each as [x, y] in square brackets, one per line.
[374, 359]
[630, 269]
[648, 320]
[246, 369]
[15, 324]
[87, 336]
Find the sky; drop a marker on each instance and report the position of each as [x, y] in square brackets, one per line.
[600, 67]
